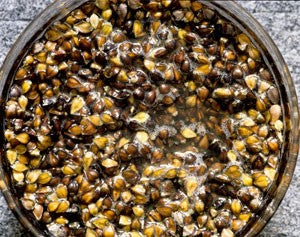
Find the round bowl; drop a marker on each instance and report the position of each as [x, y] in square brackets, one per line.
[234, 13]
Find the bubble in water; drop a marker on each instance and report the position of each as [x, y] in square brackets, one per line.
[201, 130]
[171, 130]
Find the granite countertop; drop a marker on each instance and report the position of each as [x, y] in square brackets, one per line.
[280, 18]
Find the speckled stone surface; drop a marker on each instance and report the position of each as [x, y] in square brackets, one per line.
[280, 18]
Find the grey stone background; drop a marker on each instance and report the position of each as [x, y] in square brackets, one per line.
[280, 18]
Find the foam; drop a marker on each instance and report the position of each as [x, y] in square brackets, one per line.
[225, 129]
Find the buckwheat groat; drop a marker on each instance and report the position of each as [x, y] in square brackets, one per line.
[143, 118]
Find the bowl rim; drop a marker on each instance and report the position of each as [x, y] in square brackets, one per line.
[233, 11]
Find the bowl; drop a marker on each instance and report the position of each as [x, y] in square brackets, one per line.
[234, 13]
